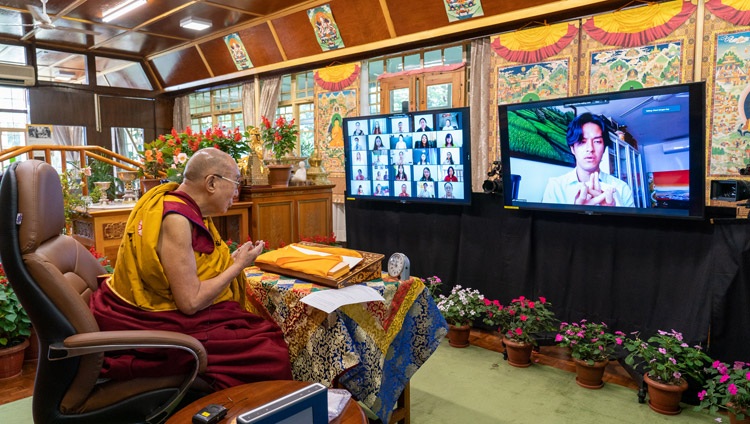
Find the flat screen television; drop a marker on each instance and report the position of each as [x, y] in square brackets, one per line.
[409, 157]
[636, 152]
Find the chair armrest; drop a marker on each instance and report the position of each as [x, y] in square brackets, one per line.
[107, 341]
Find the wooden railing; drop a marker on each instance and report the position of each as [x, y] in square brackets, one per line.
[85, 152]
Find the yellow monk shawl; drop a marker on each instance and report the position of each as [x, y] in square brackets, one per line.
[139, 277]
[290, 258]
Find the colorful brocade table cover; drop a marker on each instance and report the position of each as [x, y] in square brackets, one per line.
[373, 348]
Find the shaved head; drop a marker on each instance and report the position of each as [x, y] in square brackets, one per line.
[208, 161]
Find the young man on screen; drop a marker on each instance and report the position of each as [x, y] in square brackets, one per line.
[586, 184]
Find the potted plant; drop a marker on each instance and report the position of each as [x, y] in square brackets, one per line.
[667, 359]
[279, 138]
[728, 388]
[591, 345]
[518, 323]
[15, 329]
[166, 156]
[460, 308]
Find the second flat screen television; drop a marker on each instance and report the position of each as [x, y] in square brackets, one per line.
[638, 152]
[410, 157]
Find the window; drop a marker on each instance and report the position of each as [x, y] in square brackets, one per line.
[121, 73]
[13, 113]
[62, 67]
[217, 107]
[425, 58]
[296, 102]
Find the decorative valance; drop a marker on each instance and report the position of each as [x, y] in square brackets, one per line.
[736, 12]
[639, 26]
[534, 44]
[337, 78]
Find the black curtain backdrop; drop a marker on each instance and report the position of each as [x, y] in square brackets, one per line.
[635, 274]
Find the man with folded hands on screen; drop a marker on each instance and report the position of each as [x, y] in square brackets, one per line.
[586, 184]
[175, 273]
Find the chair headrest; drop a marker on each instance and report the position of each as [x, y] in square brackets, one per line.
[40, 204]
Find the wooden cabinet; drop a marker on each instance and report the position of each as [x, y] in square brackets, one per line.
[283, 215]
[104, 227]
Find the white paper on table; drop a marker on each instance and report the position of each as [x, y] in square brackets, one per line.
[330, 300]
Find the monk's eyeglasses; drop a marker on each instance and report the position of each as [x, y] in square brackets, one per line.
[236, 183]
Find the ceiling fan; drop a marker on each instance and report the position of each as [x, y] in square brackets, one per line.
[43, 21]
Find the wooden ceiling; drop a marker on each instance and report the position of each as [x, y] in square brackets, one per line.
[276, 33]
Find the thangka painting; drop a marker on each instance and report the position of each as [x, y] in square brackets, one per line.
[533, 64]
[326, 30]
[636, 48]
[463, 9]
[238, 52]
[636, 67]
[726, 54]
[331, 109]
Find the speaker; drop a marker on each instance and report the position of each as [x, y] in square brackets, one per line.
[405, 106]
[730, 190]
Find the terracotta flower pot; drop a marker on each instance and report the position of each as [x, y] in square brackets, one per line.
[665, 398]
[590, 376]
[458, 336]
[519, 354]
[279, 175]
[11, 360]
[733, 418]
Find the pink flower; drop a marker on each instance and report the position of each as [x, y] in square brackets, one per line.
[618, 340]
[724, 378]
[558, 338]
[518, 331]
[542, 299]
[702, 394]
[732, 389]
[524, 318]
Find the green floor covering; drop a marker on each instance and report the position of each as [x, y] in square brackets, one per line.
[475, 386]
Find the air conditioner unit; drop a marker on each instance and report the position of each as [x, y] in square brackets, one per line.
[682, 145]
[17, 75]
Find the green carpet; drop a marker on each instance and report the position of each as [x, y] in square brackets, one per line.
[475, 385]
[18, 412]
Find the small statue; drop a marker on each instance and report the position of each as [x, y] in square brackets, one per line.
[300, 175]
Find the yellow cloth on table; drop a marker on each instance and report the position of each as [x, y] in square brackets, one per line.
[325, 266]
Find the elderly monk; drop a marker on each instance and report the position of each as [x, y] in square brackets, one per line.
[174, 272]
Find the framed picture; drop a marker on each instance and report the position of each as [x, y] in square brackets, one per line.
[38, 134]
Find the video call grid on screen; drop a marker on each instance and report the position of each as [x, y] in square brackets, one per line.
[414, 156]
[666, 169]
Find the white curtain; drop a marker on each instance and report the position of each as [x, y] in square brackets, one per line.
[248, 103]
[181, 113]
[269, 96]
[63, 135]
[479, 100]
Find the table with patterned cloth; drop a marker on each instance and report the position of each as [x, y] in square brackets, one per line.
[373, 348]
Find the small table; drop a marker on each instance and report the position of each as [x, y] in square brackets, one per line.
[240, 399]
[372, 349]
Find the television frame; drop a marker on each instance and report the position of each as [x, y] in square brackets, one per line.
[364, 164]
[655, 101]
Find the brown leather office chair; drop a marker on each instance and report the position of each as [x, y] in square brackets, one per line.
[54, 275]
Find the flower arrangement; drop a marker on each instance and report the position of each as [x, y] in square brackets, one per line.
[15, 325]
[727, 388]
[666, 356]
[434, 285]
[73, 201]
[103, 260]
[461, 306]
[279, 137]
[588, 341]
[521, 318]
[167, 155]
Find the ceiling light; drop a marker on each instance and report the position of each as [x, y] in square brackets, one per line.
[195, 24]
[120, 9]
